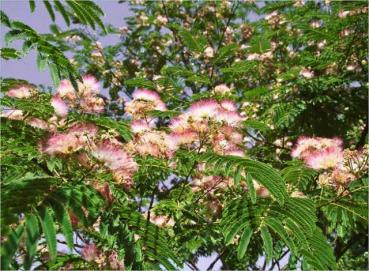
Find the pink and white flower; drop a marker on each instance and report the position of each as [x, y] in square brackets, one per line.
[90, 252]
[203, 109]
[140, 126]
[20, 92]
[155, 143]
[307, 145]
[231, 118]
[66, 90]
[60, 107]
[178, 139]
[228, 105]
[37, 123]
[324, 159]
[113, 156]
[89, 85]
[222, 89]
[13, 114]
[58, 144]
[143, 101]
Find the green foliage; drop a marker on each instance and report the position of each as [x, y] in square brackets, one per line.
[294, 224]
[302, 71]
[262, 173]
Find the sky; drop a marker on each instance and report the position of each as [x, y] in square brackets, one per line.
[25, 68]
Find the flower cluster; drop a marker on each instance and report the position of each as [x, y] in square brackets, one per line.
[318, 152]
[21, 92]
[83, 138]
[143, 102]
[86, 98]
[116, 159]
[108, 260]
[341, 167]
[79, 136]
[209, 123]
[161, 220]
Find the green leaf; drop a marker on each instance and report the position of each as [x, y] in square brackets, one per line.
[237, 176]
[32, 5]
[10, 53]
[5, 19]
[225, 52]
[278, 228]
[196, 45]
[234, 228]
[48, 229]
[10, 247]
[41, 62]
[255, 93]
[63, 218]
[259, 44]
[63, 12]
[251, 188]
[262, 173]
[49, 10]
[55, 75]
[257, 125]
[140, 82]
[244, 242]
[32, 236]
[268, 177]
[267, 243]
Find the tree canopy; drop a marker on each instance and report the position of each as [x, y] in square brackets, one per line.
[234, 128]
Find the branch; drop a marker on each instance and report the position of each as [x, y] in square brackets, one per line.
[341, 248]
[151, 204]
[276, 261]
[220, 255]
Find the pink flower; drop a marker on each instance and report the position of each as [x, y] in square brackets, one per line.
[37, 123]
[144, 101]
[13, 114]
[307, 145]
[149, 95]
[161, 220]
[210, 183]
[343, 14]
[61, 144]
[155, 143]
[178, 139]
[140, 125]
[84, 132]
[222, 89]
[231, 118]
[179, 124]
[342, 177]
[92, 104]
[203, 109]
[60, 107]
[90, 252]
[307, 73]
[228, 105]
[66, 90]
[20, 92]
[325, 159]
[114, 261]
[261, 191]
[145, 94]
[91, 83]
[113, 156]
